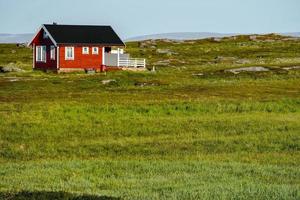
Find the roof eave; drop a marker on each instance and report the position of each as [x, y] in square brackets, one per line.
[100, 44]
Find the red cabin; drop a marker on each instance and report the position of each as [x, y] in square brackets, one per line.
[74, 47]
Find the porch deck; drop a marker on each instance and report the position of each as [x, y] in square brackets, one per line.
[123, 60]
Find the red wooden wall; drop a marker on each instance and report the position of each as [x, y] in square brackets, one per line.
[49, 64]
[80, 60]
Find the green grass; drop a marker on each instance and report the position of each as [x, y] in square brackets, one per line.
[163, 135]
[17, 55]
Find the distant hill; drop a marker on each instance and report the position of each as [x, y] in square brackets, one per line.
[15, 38]
[24, 38]
[295, 34]
[180, 36]
[192, 36]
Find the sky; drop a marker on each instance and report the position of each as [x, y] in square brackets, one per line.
[142, 17]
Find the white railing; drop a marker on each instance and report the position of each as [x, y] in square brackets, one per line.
[132, 62]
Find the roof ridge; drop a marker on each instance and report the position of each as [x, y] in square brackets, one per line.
[75, 25]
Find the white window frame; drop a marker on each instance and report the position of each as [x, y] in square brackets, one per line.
[52, 52]
[85, 50]
[40, 53]
[67, 57]
[95, 52]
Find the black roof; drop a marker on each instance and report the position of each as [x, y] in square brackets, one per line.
[84, 34]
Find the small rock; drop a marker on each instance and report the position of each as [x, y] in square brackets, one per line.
[21, 45]
[291, 39]
[216, 39]
[139, 84]
[162, 62]
[291, 68]
[200, 74]
[166, 51]
[179, 42]
[13, 80]
[243, 61]
[105, 82]
[190, 42]
[167, 40]
[163, 51]
[142, 45]
[253, 37]
[224, 59]
[147, 43]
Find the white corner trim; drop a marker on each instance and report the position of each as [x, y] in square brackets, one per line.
[57, 60]
[103, 55]
[118, 57]
[33, 57]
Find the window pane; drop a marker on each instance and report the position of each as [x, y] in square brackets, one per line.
[69, 54]
[52, 53]
[38, 53]
[85, 50]
[44, 53]
[95, 50]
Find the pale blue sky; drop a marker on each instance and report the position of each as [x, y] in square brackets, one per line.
[141, 17]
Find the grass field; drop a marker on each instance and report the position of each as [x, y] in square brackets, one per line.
[190, 130]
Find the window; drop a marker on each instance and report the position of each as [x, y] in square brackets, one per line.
[40, 54]
[52, 52]
[45, 35]
[95, 50]
[69, 53]
[85, 50]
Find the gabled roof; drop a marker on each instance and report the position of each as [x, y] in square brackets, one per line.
[83, 34]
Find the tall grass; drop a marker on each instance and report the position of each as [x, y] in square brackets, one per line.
[172, 134]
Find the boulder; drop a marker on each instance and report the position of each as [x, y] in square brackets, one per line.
[248, 69]
[142, 45]
[147, 44]
[10, 68]
[166, 51]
